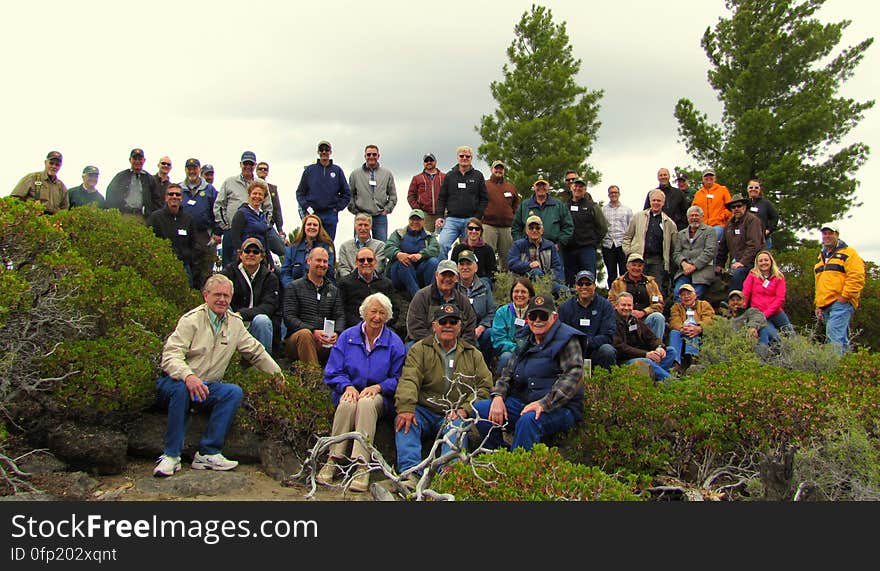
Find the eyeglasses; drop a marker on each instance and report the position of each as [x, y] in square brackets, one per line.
[534, 226]
[372, 154]
[538, 316]
[584, 283]
[262, 168]
[448, 321]
[474, 228]
[366, 260]
[253, 251]
[174, 194]
[753, 187]
[464, 156]
[165, 164]
[570, 179]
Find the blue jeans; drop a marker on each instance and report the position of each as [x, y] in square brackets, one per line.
[837, 317]
[738, 278]
[527, 430]
[222, 401]
[413, 277]
[380, 227]
[683, 279]
[503, 359]
[227, 251]
[684, 345]
[661, 370]
[453, 228]
[276, 242]
[604, 355]
[261, 329]
[409, 444]
[719, 232]
[329, 219]
[577, 259]
[656, 323]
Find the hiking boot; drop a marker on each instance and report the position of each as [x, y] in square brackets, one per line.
[326, 473]
[166, 466]
[212, 462]
[361, 481]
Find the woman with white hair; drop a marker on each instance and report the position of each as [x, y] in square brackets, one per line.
[362, 373]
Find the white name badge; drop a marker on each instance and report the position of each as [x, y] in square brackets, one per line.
[689, 312]
[451, 363]
[754, 208]
[633, 327]
[191, 202]
[319, 297]
[508, 194]
[519, 321]
[737, 231]
[710, 196]
[310, 210]
[181, 232]
[332, 175]
[655, 298]
[585, 322]
[372, 183]
[470, 299]
[575, 208]
[766, 283]
[462, 185]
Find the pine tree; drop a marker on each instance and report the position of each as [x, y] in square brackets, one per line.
[545, 122]
[777, 80]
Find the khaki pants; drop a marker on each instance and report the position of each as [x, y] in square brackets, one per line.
[360, 416]
[429, 222]
[500, 238]
[302, 346]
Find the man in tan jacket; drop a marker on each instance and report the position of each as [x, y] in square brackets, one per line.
[194, 360]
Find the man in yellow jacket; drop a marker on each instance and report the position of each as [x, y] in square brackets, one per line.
[840, 278]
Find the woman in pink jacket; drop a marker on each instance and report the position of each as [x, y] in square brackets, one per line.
[764, 289]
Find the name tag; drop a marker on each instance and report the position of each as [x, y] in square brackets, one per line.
[191, 202]
[655, 298]
[689, 312]
[372, 183]
[181, 232]
[737, 231]
[575, 208]
[633, 328]
[470, 299]
[332, 175]
[310, 210]
[319, 297]
[508, 194]
[585, 322]
[462, 185]
[754, 208]
[519, 321]
[710, 196]
[766, 283]
[451, 363]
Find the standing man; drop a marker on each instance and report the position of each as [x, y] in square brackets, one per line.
[133, 191]
[651, 235]
[346, 256]
[590, 227]
[743, 238]
[556, 218]
[712, 198]
[175, 225]
[45, 186]
[693, 255]
[463, 195]
[498, 217]
[675, 205]
[323, 190]
[208, 173]
[373, 192]
[684, 186]
[232, 194]
[763, 209]
[162, 175]
[424, 191]
[618, 217]
[199, 197]
[194, 361]
[593, 316]
[277, 239]
[840, 278]
[87, 192]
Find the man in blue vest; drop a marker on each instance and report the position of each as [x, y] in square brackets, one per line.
[541, 390]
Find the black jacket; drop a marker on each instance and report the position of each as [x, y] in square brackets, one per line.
[463, 202]
[306, 306]
[265, 288]
[178, 228]
[117, 190]
[353, 290]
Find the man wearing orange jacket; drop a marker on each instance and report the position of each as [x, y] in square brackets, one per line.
[713, 198]
[840, 278]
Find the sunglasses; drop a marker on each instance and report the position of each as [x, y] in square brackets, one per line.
[448, 321]
[534, 226]
[365, 260]
[538, 316]
[372, 154]
[55, 162]
[584, 283]
[254, 251]
[752, 187]
[174, 194]
[262, 168]
[464, 156]
[570, 179]
[474, 228]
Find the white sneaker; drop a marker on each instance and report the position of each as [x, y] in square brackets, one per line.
[166, 466]
[212, 462]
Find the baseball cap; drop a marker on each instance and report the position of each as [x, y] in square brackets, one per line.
[688, 287]
[252, 242]
[207, 168]
[136, 153]
[447, 266]
[635, 257]
[681, 176]
[429, 157]
[498, 163]
[91, 170]
[249, 156]
[585, 274]
[579, 181]
[417, 213]
[467, 255]
[53, 155]
[734, 292]
[542, 179]
[323, 143]
[541, 303]
[834, 227]
[447, 310]
[709, 172]
[192, 163]
[534, 219]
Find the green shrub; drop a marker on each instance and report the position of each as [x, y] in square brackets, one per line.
[543, 286]
[722, 344]
[540, 475]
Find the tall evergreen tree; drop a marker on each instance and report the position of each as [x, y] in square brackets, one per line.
[777, 80]
[545, 122]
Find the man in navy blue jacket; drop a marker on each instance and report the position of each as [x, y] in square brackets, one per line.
[323, 190]
[593, 316]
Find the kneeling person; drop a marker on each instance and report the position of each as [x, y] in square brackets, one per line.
[194, 360]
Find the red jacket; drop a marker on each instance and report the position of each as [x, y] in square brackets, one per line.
[423, 194]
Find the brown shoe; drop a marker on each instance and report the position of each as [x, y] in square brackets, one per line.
[326, 474]
[361, 481]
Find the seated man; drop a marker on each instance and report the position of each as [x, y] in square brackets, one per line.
[481, 300]
[752, 319]
[428, 299]
[593, 316]
[686, 321]
[535, 256]
[635, 342]
[346, 257]
[412, 254]
[364, 281]
[194, 360]
[257, 292]
[308, 301]
[430, 368]
[173, 224]
[644, 290]
[693, 254]
[541, 391]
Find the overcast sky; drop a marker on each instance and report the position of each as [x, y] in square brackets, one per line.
[94, 79]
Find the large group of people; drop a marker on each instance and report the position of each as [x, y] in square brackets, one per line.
[518, 367]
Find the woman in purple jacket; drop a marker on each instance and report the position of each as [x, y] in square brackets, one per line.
[362, 373]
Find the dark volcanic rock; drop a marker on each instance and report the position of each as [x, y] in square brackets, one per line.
[94, 449]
